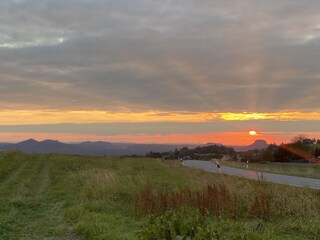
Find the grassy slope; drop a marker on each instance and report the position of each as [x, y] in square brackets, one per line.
[294, 169]
[73, 197]
[313, 146]
[27, 210]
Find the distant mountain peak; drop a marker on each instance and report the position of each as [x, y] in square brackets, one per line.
[97, 148]
[260, 141]
[257, 144]
[31, 140]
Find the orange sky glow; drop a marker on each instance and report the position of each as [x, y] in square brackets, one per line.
[227, 138]
[239, 137]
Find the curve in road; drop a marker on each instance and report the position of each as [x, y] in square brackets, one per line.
[268, 177]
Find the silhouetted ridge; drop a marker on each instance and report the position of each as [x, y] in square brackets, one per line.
[98, 148]
[258, 144]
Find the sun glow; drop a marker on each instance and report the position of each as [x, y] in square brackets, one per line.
[252, 132]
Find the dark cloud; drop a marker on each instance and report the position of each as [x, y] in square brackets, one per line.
[164, 55]
[166, 128]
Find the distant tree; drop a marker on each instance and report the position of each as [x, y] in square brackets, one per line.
[293, 152]
[282, 154]
[299, 138]
[318, 141]
[217, 149]
[184, 152]
[317, 152]
[204, 152]
[176, 153]
[268, 154]
[154, 155]
[251, 155]
[307, 141]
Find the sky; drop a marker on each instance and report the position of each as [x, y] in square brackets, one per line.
[182, 71]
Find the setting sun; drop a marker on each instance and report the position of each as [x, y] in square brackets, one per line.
[252, 132]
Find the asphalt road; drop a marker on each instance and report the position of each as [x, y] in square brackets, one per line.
[268, 177]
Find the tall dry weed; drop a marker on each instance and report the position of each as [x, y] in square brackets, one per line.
[96, 183]
[214, 199]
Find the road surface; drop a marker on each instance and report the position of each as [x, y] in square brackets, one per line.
[268, 177]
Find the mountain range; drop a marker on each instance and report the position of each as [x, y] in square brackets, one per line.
[105, 148]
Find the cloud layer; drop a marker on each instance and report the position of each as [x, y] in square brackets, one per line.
[142, 55]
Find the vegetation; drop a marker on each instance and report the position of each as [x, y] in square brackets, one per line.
[51, 196]
[311, 170]
[301, 150]
[203, 153]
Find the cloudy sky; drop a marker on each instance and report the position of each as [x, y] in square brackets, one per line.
[159, 71]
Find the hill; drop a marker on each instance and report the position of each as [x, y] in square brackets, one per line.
[99, 148]
[258, 144]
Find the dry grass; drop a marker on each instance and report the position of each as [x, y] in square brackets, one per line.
[260, 207]
[260, 201]
[96, 183]
[213, 199]
[311, 170]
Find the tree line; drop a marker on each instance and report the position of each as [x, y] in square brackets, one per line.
[203, 153]
[300, 149]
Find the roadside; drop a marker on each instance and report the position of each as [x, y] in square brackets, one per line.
[309, 170]
[208, 166]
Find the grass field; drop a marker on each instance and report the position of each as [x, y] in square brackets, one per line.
[314, 146]
[311, 170]
[77, 197]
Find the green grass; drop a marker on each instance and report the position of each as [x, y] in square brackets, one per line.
[314, 146]
[52, 196]
[311, 170]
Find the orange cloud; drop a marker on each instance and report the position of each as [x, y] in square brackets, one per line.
[282, 116]
[17, 117]
[21, 117]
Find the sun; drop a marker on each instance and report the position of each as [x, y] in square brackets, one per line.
[252, 132]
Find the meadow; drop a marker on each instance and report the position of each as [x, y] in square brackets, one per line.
[52, 196]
